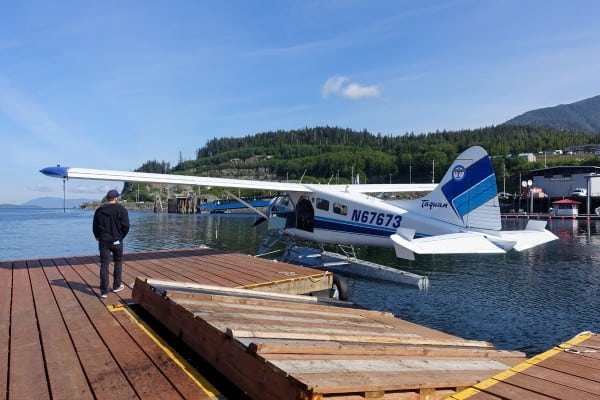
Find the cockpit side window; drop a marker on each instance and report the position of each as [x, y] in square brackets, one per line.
[323, 204]
[340, 209]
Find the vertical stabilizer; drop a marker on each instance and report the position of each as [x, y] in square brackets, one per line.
[467, 194]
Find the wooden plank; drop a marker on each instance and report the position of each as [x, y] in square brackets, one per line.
[217, 268]
[387, 364]
[245, 370]
[191, 265]
[272, 349]
[395, 339]
[254, 270]
[232, 269]
[270, 315]
[105, 376]
[164, 268]
[65, 375]
[5, 317]
[576, 370]
[341, 382]
[318, 306]
[178, 378]
[211, 330]
[579, 360]
[549, 388]
[147, 381]
[562, 379]
[196, 290]
[253, 299]
[26, 356]
[507, 391]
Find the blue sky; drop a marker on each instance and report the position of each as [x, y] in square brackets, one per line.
[112, 84]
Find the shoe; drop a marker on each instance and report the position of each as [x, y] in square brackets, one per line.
[121, 287]
[103, 295]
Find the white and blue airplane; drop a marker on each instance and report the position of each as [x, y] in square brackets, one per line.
[460, 215]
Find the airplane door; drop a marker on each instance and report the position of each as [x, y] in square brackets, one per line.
[305, 215]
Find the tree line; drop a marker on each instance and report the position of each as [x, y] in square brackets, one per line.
[321, 154]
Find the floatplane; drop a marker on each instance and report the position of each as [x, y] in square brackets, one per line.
[460, 215]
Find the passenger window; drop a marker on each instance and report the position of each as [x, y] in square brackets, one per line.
[323, 204]
[340, 209]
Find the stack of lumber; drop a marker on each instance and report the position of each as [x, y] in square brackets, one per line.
[275, 346]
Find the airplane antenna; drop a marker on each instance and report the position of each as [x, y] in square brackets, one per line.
[329, 181]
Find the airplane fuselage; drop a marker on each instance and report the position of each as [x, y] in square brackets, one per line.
[329, 216]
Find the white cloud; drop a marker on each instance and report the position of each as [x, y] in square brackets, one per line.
[355, 91]
[333, 86]
[341, 86]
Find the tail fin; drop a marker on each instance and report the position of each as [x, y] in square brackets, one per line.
[467, 194]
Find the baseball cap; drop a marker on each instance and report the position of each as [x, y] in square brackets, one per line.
[112, 194]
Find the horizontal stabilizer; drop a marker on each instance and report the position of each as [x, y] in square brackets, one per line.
[454, 243]
[534, 234]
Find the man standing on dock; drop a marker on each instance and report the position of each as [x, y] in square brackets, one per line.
[110, 226]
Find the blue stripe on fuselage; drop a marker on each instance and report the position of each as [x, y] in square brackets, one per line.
[332, 224]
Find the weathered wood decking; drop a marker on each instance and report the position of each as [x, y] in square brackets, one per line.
[568, 371]
[59, 340]
[278, 347]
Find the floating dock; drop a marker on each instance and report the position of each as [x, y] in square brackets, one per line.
[277, 347]
[242, 315]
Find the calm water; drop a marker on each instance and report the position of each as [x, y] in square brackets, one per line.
[526, 301]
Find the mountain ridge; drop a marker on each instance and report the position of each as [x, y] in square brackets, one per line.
[50, 202]
[580, 116]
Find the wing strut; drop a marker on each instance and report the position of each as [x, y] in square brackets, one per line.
[262, 214]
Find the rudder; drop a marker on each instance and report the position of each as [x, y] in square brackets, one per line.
[467, 194]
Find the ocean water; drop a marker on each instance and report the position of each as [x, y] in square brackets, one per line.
[527, 301]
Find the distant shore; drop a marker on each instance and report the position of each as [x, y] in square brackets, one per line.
[127, 205]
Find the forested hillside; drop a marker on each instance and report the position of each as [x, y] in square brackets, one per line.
[583, 116]
[331, 154]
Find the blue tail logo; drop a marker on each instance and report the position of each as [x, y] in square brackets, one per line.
[471, 187]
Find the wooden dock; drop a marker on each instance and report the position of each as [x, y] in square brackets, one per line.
[241, 314]
[568, 371]
[59, 340]
[290, 347]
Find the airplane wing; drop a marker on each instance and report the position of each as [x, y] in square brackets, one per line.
[387, 187]
[129, 176]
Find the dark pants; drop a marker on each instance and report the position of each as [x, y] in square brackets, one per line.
[106, 248]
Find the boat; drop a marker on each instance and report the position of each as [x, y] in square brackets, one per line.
[224, 205]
